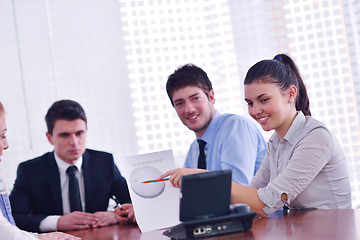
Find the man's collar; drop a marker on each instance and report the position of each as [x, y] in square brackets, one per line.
[293, 132]
[208, 134]
[62, 165]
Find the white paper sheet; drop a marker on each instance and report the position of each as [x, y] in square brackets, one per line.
[156, 204]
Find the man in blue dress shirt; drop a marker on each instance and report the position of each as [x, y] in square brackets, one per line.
[231, 141]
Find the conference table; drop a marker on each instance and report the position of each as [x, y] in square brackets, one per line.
[341, 224]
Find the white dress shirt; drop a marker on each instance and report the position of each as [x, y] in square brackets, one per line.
[50, 222]
[308, 165]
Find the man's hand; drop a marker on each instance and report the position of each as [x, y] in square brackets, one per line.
[178, 173]
[105, 219]
[125, 213]
[76, 220]
[56, 236]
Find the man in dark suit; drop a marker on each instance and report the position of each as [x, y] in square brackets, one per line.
[46, 197]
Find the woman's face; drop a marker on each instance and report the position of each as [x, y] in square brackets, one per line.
[3, 141]
[271, 107]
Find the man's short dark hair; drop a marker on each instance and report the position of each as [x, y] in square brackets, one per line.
[188, 75]
[65, 110]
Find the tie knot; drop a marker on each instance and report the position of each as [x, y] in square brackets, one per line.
[71, 170]
[201, 143]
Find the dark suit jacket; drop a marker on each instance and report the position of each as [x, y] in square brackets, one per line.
[37, 193]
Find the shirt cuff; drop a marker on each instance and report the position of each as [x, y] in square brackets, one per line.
[49, 223]
[272, 202]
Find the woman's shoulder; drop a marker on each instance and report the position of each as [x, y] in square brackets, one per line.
[312, 124]
[320, 133]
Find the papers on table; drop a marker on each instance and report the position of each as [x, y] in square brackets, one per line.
[156, 204]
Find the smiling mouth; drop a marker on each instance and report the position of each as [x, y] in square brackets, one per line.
[192, 117]
[263, 119]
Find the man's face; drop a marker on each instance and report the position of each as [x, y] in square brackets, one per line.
[194, 108]
[69, 139]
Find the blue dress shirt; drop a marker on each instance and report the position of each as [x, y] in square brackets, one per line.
[232, 142]
[5, 207]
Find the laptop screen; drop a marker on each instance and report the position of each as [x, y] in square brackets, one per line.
[205, 195]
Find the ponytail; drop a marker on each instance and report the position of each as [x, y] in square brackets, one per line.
[302, 100]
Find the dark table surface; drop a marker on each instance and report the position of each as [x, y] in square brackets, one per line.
[305, 225]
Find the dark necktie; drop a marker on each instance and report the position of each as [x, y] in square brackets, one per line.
[201, 160]
[74, 192]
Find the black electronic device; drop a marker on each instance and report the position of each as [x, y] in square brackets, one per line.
[205, 195]
[205, 208]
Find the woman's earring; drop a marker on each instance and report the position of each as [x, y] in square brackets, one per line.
[291, 100]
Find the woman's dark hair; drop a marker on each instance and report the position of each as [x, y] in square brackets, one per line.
[283, 71]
